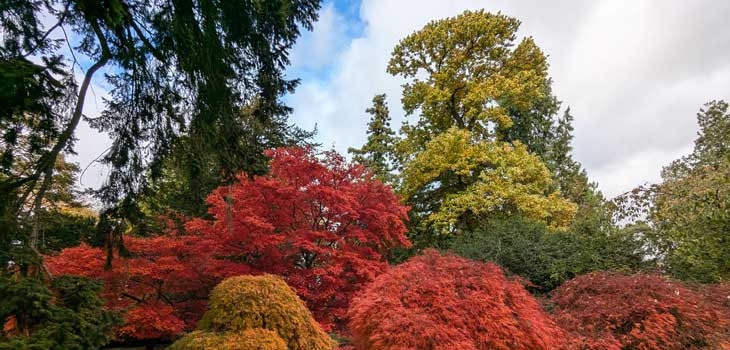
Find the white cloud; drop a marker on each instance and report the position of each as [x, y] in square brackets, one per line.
[91, 144]
[316, 49]
[634, 74]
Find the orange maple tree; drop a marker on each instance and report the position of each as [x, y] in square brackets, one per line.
[645, 312]
[436, 301]
[319, 222]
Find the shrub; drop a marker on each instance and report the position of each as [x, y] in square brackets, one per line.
[241, 304]
[545, 257]
[438, 301]
[250, 339]
[66, 313]
[638, 311]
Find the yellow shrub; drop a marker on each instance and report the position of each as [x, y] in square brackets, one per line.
[251, 302]
[250, 339]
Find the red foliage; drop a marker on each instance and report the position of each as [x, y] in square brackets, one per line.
[320, 223]
[639, 311]
[447, 302]
[161, 288]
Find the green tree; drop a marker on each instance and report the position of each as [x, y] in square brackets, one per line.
[377, 154]
[546, 257]
[687, 216]
[68, 315]
[463, 182]
[474, 76]
[179, 68]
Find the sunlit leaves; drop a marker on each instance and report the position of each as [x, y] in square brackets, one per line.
[468, 179]
[464, 71]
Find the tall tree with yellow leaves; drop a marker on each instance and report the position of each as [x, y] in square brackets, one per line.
[469, 84]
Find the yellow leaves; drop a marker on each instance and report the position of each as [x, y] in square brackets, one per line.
[482, 179]
[254, 302]
[472, 72]
[250, 339]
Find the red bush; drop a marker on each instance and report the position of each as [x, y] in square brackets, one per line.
[320, 223]
[639, 311]
[447, 302]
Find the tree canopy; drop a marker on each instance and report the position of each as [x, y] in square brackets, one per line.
[174, 68]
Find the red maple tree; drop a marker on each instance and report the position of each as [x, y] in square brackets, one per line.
[161, 287]
[322, 224]
[319, 222]
[444, 302]
[641, 311]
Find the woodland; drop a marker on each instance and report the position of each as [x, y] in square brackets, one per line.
[222, 225]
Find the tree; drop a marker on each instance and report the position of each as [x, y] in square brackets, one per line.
[68, 314]
[438, 301]
[377, 154]
[473, 76]
[686, 218]
[159, 287]
[180, 68]
[321, 224]
[639, 312]
[545, 257]
[471, 86]
[457, 181]
[250, 339]
[263, 306]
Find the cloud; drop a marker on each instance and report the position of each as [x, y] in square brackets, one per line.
[633, 73]
[91, 144]
[314, 50]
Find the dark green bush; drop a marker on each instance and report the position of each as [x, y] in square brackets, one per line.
[68, 314]
[547, 258]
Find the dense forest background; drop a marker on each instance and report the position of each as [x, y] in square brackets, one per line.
[471, 225]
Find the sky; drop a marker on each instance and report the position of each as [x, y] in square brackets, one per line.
[634, 74]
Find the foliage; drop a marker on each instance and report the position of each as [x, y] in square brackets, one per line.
[64, 228]
[160, 287]
[638, 312]
[378, 153]
[686, 218]
[472, 74]
[460, 181]
[438, 301]
[485, 106]
[320, 223]
[547, 258]
[245, 303]
[250, 339]
[173, 69]
[68, 314]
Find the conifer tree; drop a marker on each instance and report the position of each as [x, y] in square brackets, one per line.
[377, 154]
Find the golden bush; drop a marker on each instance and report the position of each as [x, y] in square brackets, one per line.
[250, 339]
[261, 302]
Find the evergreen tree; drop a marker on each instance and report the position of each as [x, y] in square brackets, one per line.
[179, 68]
[377, 154]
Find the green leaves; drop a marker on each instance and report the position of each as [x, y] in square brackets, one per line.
[68, 315]
[687, 217]
[378, 153]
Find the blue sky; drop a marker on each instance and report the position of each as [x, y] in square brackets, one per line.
[634, 73]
